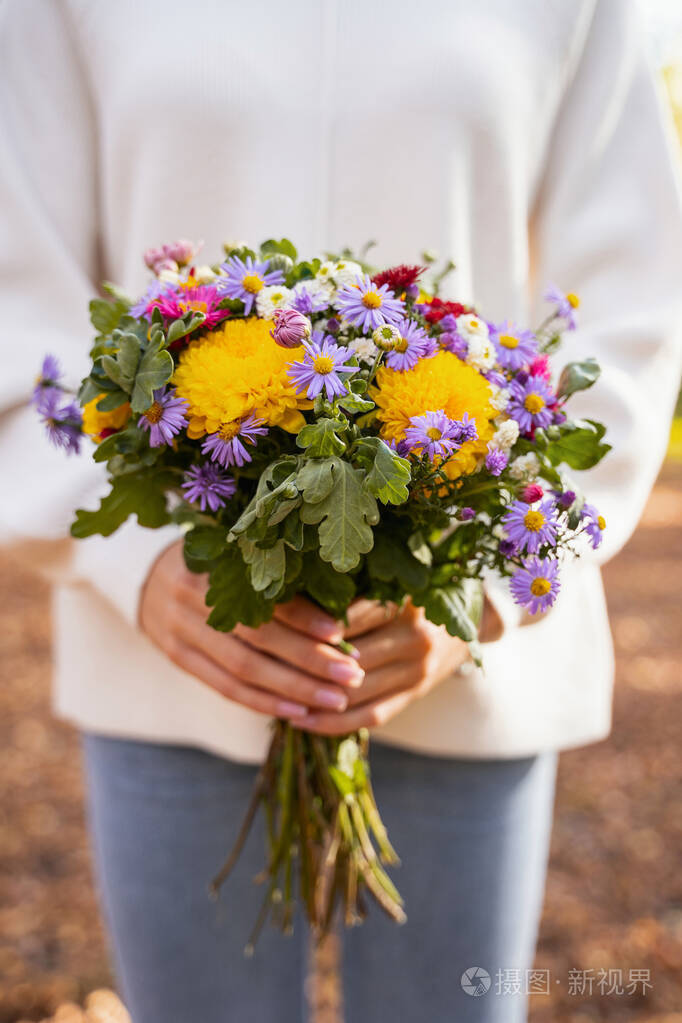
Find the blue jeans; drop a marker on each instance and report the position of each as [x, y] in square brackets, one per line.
[473, 837]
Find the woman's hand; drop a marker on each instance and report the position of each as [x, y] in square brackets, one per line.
[403, 655]
[282, 669]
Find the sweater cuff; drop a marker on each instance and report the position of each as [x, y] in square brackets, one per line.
[118, 565]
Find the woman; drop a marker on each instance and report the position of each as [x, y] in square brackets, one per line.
[525, 142]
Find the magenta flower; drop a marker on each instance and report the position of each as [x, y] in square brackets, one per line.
[367, 305]
[515, 347]
[529, 401]
[208, 486]
[414, 344]
[243, 279]
[566, 304]
[145, 304]
[164, 418]
[531, 528]
[320, 368]
[531, 493]
[436, 435]
[173, 303]
[63, 425]
[536, 585]
[228, 445]
[291, 328]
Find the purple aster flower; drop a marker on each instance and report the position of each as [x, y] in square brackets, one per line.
[448, 323]
[308, 299]
[465, 429]
[515, 347]
[414, 344]
[466, 514]
[451, 341]
[367, 305]
[564, 499]
[530, 528]
[164, 418]
[320, 368]
[435, 435]
[145, 305]
[593, 523]
[49, 380]
[529, 401]
[227, 445]
[63, 425]
[333, 325]
[244, 279]
[208, 486]
[507, 548]
[566, 304]
[496, 460]
[536, 585]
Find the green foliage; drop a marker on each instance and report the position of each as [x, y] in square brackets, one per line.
[268, 564]
[354, 404]
[155, 369]
[580, 445]
[204, 543]
[344, 515]
[122, 367]
[142, 494]
[283, 247]
[578, 376]
[453, 606]
[391, 559]
[332, 590]
[112, 400]
[106, 315]
[184, 326]
[232, 596]
[388, 475]
[321, 439]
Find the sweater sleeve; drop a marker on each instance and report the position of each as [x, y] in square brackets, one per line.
[48, 263]
[607, 225]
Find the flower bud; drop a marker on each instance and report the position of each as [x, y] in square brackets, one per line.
[280, 261]
[386, 337]
[291, 328]
[531, 492]
[182, 251]
[152, 257]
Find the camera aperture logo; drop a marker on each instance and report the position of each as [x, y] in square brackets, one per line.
[475, 981]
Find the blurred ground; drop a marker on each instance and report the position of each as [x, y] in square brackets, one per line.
[614, 898]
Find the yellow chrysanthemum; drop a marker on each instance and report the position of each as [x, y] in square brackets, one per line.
[443, 382]
[95, 421]
[236, 370]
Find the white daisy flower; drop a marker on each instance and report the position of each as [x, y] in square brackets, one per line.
[471, 327]
[499, 398]
[346, 272]
[274, 296]
[204, 274]
[506, 435]
[525, 467]
[170, 277]
[481, 354]
[364, 348]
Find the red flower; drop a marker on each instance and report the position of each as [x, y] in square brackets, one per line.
[399, 278]
[437, 309]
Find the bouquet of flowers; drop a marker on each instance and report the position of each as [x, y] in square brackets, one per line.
[321, 428]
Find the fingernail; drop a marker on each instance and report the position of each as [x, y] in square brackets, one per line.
[327, 629]
[353, 651]
[350, 674]
[328, 698]
[291, 710]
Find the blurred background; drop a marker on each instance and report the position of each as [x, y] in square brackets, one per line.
[614, 893]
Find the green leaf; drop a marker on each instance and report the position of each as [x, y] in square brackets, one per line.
[232, 596]
[180, 328]
[155, 370]
[578, 376]
[320, 439]
[266, 502]
[315, 479]
[205, 543]
[293, 532]
[141, 494]
[353, 404]
[388, 475]
[124, 442]
[445, 605]
[117, 293]
[267, 564]
[112, 400]
[105, 315]
[580, 445]
[390, 559]
[283, 246]
[121, 368]
[332, 590]
[344, 517]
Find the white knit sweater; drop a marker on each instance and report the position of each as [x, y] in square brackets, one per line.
[523, 140]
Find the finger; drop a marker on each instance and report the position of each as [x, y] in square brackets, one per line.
[257, 668]
[304, 616]
[196, 663]
[398, 641]
[314, 657]
[366, 715]
[390, 678]
[364, 615]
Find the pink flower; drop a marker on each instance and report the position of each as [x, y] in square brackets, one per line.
[540, 367]
[182, 251]
[531, 493]
[291, 328]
